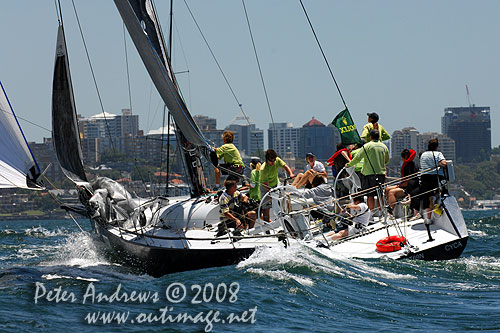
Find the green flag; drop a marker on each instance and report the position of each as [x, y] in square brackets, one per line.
[348, 132]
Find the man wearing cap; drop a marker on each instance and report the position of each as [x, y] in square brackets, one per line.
[373, 124]
[313, 168]
[376, 157]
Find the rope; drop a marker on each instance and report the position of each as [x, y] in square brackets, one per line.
[126, 64]
[323, 53]
[26, 120]
[93, 76]
[258, 65]
[240, 105]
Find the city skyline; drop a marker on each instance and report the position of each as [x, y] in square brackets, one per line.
[405, 61]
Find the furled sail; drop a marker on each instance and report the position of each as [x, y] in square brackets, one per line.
[65, 132]
[142, 24]
[18, 167]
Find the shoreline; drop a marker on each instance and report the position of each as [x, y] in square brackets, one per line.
[52, 216]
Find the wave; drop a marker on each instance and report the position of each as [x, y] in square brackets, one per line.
[42, 232]
[282, 275]
[82, 256]
[35, 231]
[303, 265]
[78, 249]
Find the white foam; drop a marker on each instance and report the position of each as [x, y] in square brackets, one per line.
[42, 232]
[461, 286]
[477, 233]
[56, 276]
[266, 260]
[481, 263]
[375, 271]
[79, 250]
[282, 276]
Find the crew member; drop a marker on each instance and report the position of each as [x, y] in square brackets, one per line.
[407, 186]
[376, 157]
[269, 177]
[373, 124]
[254, 191]
[430, 161]
[358, 215]
[233, 164]
[313, 168]
[231, 209]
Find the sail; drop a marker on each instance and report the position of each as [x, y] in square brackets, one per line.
[65, 133]
[18, 167]
[142, 24]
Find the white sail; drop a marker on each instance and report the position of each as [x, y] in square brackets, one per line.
[17, 165]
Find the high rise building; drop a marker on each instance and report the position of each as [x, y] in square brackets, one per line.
[106, 124]
[409, 137]
[205, 123]
[470, 127]
[319, 139]
[283, 138]
[46, 155]
[247, 138]
[208, 127]
[446, 144]
[405, 138]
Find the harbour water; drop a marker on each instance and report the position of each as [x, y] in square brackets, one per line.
[53, 277]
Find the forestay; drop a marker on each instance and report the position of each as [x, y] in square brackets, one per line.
[17, 164]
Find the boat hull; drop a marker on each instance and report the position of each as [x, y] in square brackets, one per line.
[158, 261]
[447, 251]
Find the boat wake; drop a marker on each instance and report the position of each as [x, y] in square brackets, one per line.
[300, 264]
[78, 249]
[82, 257]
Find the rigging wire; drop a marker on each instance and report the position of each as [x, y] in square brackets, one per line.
[185, 60]
[58, 9]
[93, 75]
[323, 53]
[127, 66]
[258, 65]
[333, 77]
[240, 105]
[29, 122]
[216, 61]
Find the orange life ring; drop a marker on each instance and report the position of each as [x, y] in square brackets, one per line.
[391, 244]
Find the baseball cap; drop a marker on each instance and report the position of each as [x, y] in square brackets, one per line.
[310, 155]
[373, 115]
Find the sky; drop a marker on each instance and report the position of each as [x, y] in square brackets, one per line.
[405, 60]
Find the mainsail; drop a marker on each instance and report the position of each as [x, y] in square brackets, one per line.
[64, 122]
[18, 167]
[142, 24]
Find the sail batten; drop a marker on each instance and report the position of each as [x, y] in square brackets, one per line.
[18, 167]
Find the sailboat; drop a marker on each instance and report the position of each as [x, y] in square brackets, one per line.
[18, 166]
[161, 235]
[158, 235]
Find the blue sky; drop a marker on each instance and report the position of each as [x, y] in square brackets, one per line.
[406, 60]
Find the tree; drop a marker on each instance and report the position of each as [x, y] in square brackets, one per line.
[479, 179]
